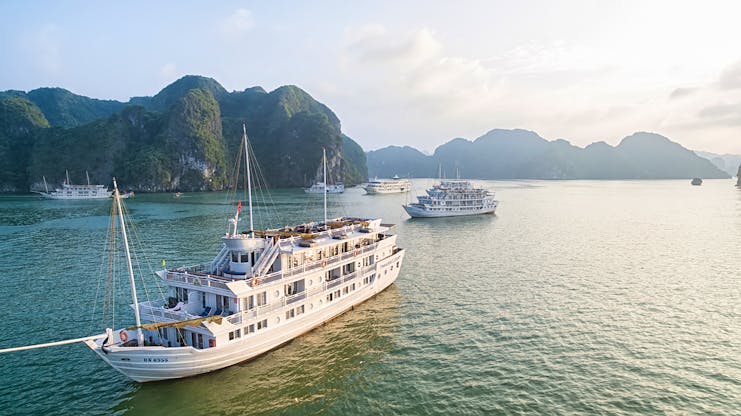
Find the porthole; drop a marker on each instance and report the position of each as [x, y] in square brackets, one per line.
[277, 293]
[311, 306]
[311, 282]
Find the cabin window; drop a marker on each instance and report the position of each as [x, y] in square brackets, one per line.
[248, 303]
[352, 287]
[238, 333]
[346, 290]
[235, 257]
[337, 294]
[181, 294]
[203, 300]
[262, 324]
[163, 333]
[262, 298]
[300, 310]
[231, 335]
[249, 329]
[290, 314]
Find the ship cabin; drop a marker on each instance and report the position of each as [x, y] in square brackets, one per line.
[260, 276]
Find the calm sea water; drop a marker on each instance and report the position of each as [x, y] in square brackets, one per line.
[578, 297]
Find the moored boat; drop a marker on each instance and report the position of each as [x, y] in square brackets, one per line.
[70, 191]
[452, 198]
[262, 289]
[388, 186]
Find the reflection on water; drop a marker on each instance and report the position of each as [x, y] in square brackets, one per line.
[333, 360]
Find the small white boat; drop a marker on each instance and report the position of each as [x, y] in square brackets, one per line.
[322, 187]
[452, 198]
[388, 186]
[69, 191]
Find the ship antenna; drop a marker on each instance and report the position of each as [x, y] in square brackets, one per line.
[117, 197]
[249, 181]
[324, 158]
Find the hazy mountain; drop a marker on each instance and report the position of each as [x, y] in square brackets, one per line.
[184, 138]
[522, 154]
[403, 161]
[727, 162]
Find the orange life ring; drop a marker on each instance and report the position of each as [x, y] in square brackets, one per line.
[255, 281]
[324, 263]
[123, 335]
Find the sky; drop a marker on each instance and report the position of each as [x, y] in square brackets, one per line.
[415, 73]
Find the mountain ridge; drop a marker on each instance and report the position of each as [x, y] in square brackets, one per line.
[523, 154]
[182, 138]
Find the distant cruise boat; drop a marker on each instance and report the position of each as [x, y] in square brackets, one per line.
[323, 187]
[319, 188]
[388, 186]
[453, 198]
[69, 191]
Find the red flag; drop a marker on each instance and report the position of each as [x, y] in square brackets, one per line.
[239, 206]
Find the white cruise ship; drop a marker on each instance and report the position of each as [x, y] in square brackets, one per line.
[388, 186]
[320, 188]
[262, 289]
[69, 191]
[453, 198]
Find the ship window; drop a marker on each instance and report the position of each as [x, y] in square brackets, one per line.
[346, 290]
[300, 310]
[181, 294]
[352, 286]
[248, 303]
[262, 298]
[337, 294]
[249, 329]
[290, 314]
[262, 324]
[330, 297]
[231, 335]
[238, 333]
[235, 257]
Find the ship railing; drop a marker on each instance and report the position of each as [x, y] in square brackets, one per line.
[160, 313]
[220, 259]
[307, 267]
[196, 279]
[266, 260]
[264, 310]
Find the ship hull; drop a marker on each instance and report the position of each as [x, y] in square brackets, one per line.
[418, 212]
[154, 363]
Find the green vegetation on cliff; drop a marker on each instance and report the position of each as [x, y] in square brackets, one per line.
[183, 138]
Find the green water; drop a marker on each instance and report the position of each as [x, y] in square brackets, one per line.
[581, 297]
